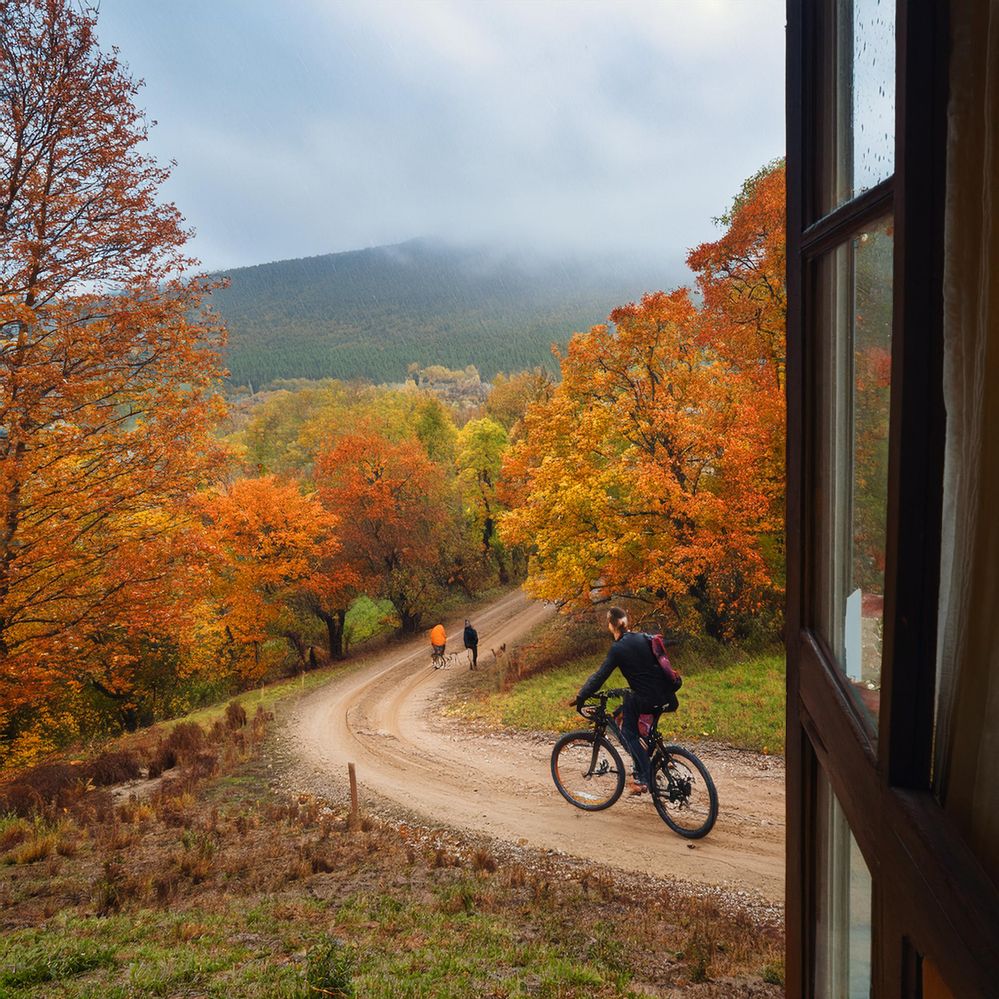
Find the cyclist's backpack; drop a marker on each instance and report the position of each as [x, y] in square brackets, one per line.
[658, 647]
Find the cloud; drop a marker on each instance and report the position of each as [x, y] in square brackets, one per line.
[321, 126]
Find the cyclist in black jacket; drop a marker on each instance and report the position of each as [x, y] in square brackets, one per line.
[650, 689]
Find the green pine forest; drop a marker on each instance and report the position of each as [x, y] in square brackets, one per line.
[370, 313]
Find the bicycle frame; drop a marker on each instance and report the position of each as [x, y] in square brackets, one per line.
[604, 720]
[676, 772]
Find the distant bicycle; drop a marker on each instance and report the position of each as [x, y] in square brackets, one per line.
[438, 660]
[589, 772]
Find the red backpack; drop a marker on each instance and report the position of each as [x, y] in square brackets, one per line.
[658, 647]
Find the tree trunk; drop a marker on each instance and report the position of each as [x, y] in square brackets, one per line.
[296, 641]
[409, 622]
[334, 630]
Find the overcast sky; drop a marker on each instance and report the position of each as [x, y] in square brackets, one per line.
[311, 126]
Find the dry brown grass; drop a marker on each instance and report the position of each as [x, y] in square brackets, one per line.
[483, 860]
[562, 639]
[38, 846]
[68, 841]
[203, 844]
[14, 833]
[114, 837]
[136, 813]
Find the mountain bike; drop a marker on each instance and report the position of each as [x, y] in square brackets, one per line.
[438, 660]
[589, 773]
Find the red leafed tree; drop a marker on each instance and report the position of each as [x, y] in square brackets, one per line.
[269, 542]
[392, 507]
[108, 360]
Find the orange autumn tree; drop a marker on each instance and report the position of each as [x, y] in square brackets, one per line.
[108, 362]
[654, 471]
[397, 524]
[267, 542]
[741, 279]
[511, 395]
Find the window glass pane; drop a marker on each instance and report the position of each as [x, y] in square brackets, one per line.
[858, 121]
[853, 395]
[843, 941]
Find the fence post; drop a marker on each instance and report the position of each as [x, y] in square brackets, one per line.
[355, 814]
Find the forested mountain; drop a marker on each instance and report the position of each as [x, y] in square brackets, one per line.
[369, 313]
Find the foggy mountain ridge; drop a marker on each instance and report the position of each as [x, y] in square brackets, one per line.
[369, 313]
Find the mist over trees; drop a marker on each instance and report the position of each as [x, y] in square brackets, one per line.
[370, 313]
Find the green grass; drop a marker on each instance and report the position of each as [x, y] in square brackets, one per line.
[448, 945]
[265, 696]
[739, 701]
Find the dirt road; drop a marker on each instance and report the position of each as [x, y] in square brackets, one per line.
[383, 717]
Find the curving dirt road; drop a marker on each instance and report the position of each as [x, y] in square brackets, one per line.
[384, 718]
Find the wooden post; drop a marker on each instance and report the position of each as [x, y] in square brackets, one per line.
[355, 814]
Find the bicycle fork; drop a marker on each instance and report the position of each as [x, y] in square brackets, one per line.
[599, 734]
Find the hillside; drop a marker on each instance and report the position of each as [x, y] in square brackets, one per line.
[369, 313]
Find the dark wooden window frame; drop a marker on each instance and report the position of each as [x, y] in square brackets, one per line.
[930, 895]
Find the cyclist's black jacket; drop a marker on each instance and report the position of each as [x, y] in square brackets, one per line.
[632, 654]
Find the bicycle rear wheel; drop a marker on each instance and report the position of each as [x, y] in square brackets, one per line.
[587, 770]
[683, 792]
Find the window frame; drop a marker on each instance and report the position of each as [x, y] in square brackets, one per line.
[931, 897]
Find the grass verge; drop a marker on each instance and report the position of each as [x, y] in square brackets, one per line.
[728, 695]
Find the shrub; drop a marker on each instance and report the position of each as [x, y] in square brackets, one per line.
[113, 767]
[235, 715]
[165, 758]
[185, 738]
[21, 800]
[202, 765]
[54, 785]
[182, 746]
[259, 723]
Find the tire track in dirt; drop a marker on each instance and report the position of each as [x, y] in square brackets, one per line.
[384, 718]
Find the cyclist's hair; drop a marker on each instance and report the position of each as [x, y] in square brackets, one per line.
[618, 616]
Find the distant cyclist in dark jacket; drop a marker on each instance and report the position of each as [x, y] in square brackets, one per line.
[650, 689]
[472, 642]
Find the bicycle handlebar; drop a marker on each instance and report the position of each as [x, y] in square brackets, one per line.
[599, 699]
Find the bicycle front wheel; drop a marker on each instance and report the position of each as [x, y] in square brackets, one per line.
[587, 770]
[683, 792]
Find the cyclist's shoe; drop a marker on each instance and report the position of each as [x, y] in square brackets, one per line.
[635, 788]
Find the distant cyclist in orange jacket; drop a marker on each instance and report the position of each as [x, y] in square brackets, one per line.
[438, 639]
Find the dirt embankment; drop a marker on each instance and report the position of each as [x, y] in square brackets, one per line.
[413, 762]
